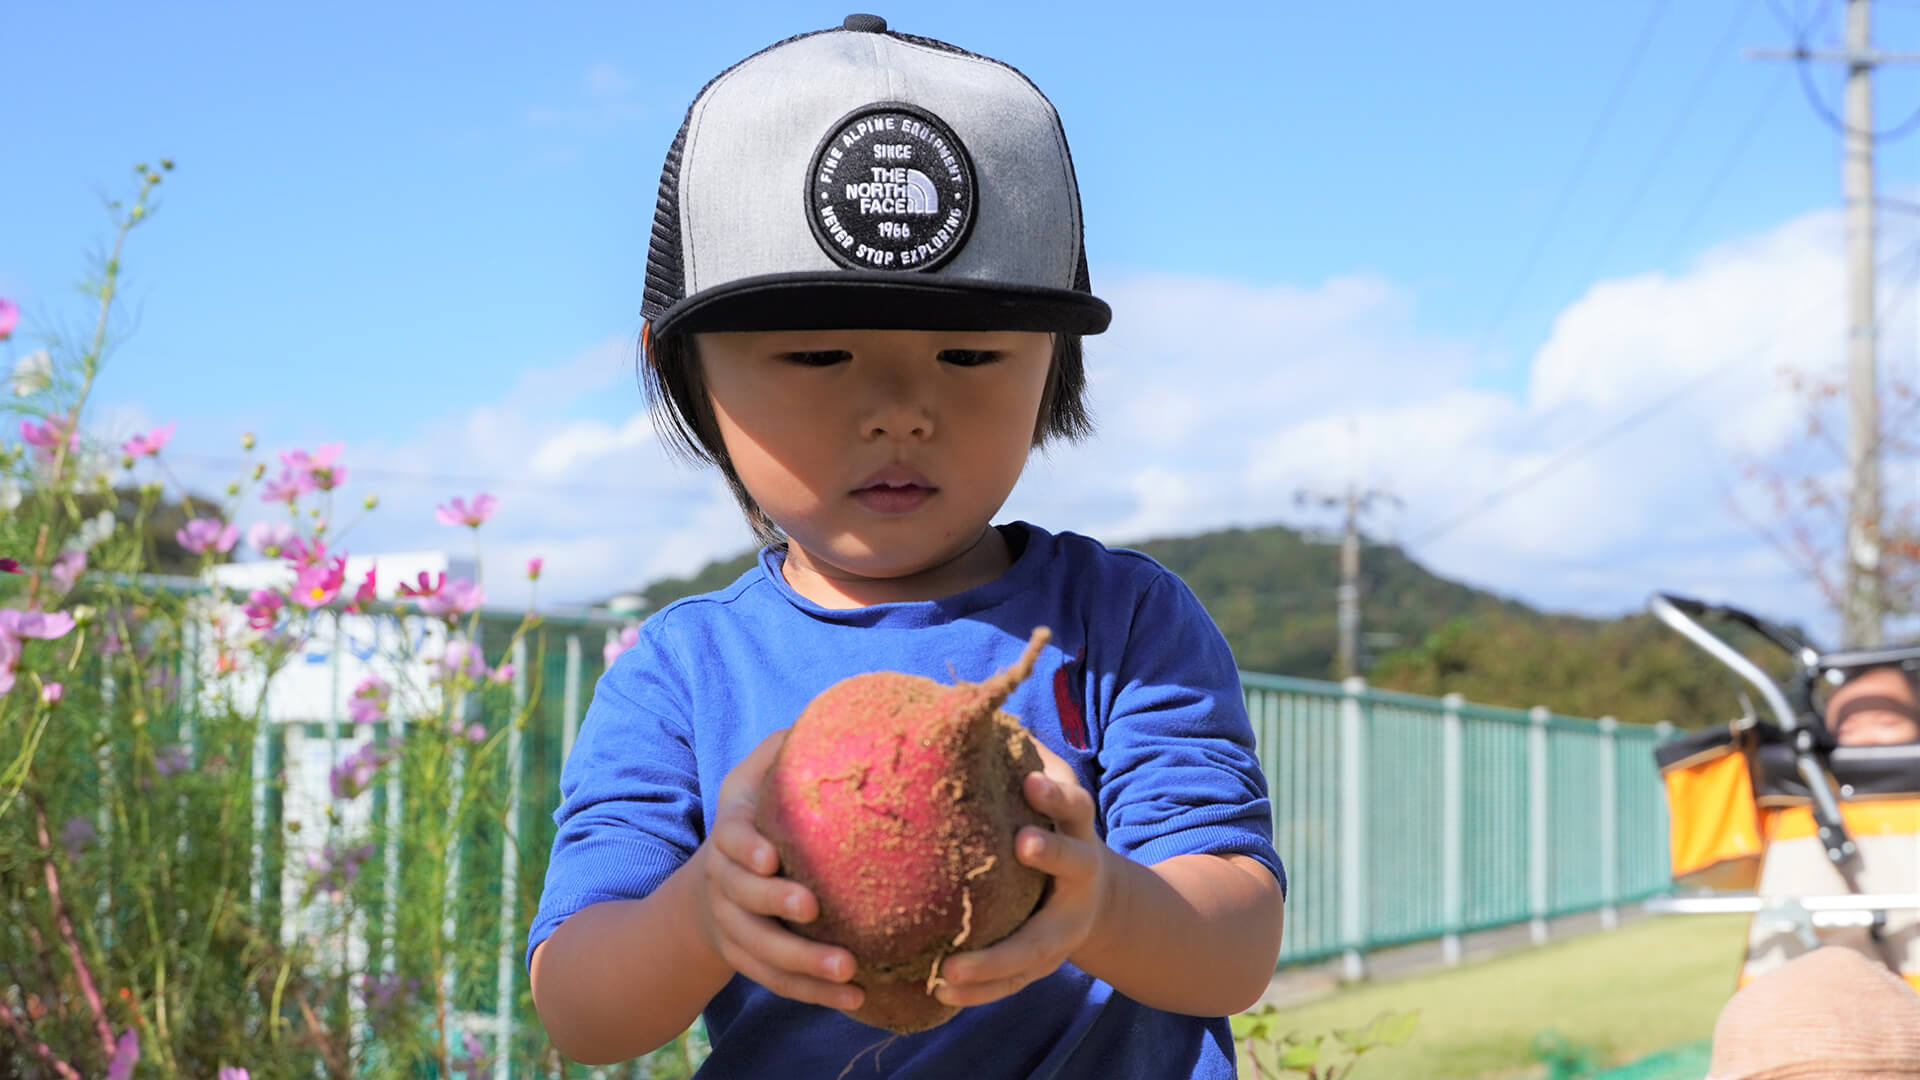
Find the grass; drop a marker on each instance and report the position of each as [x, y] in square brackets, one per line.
[1625, 993]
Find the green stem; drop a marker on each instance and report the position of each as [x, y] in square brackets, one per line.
[90, 365]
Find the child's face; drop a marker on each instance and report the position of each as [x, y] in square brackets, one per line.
[1874, 708]
[882, 454]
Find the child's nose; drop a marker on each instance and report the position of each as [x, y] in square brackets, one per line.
[899, 422]
[899, 409]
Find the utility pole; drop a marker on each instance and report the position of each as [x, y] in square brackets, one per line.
[1354, 503]
[1864, 604]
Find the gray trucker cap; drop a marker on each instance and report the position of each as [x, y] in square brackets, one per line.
[860, 178]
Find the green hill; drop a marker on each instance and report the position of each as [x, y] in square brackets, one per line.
[1271, 590]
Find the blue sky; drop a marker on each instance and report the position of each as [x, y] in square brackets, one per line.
[420, 229]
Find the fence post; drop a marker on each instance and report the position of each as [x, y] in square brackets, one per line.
[570, 704]
[396, 806]
[1452, 815]
[1609, 823]
[1537, 794]
[1353, 827]
[461, 711]
[510, 870]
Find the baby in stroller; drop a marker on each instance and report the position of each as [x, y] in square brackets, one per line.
[1816, 809]
[1875, 706]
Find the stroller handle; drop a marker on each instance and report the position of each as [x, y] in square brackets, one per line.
[1681, 613]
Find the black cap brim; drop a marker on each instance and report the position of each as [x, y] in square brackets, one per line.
[881, 300]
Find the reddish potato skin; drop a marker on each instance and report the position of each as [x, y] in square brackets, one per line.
[896, 800]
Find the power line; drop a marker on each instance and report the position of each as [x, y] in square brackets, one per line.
[1594, 442]
[1801, 55]
[1581, 164]
[1725, 168]
[1797, 28]
[418, 477]
[1669, 140]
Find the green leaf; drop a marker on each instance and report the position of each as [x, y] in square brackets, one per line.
[1268, 1058]
[1394, 1029]
[1301, 1055]
[1255, 1025]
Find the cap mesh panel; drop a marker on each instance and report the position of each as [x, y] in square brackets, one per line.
[666, 283]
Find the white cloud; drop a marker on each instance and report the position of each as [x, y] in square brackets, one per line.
[1218, 400]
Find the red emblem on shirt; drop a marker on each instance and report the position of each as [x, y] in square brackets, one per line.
[1073, 723]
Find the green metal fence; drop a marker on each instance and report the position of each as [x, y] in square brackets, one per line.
[1400, 818]
[1405, 818]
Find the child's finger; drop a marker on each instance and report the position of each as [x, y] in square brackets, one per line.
[761, 895]
[970, 994]
[1022, 956]
[786, 963]
[1057, 853]
[735, 837]
[1068, 804]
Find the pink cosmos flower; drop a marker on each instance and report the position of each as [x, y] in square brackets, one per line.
[366, 593]
[462, 659]
[149, 444]
[316, 470]
[334, 870]
[369, 700]
[440, 597]
[270, 538]
[45, 437]
[458, 597]
[476, 732]
[476, 1061]
[354, 773]
[126, 1052]
[16, 625]
[501, 675]
[66, 570]
[287, 489]
[52, 692]
[318, 584]
[202, 534]
[459, 513]
[303, 552]
[10, 566]
[9, 317]
[262, 608]
[628, 639]
[426, 588]
[227, 1072]
[533, 568]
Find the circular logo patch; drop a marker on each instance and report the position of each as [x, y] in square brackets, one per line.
[891, 188]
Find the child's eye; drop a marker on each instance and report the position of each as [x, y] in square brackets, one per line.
[822, 358]
[967, 357]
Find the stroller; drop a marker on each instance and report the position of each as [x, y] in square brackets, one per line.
[1826, 837]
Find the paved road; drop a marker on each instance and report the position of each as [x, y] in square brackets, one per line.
[1299, 985]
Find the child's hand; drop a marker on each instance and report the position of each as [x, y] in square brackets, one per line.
[741, 901]
[1075, 903]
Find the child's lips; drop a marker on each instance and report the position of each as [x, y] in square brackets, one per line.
[894, 490]
[886, 499]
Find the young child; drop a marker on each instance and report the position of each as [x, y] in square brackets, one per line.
[865, 296]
